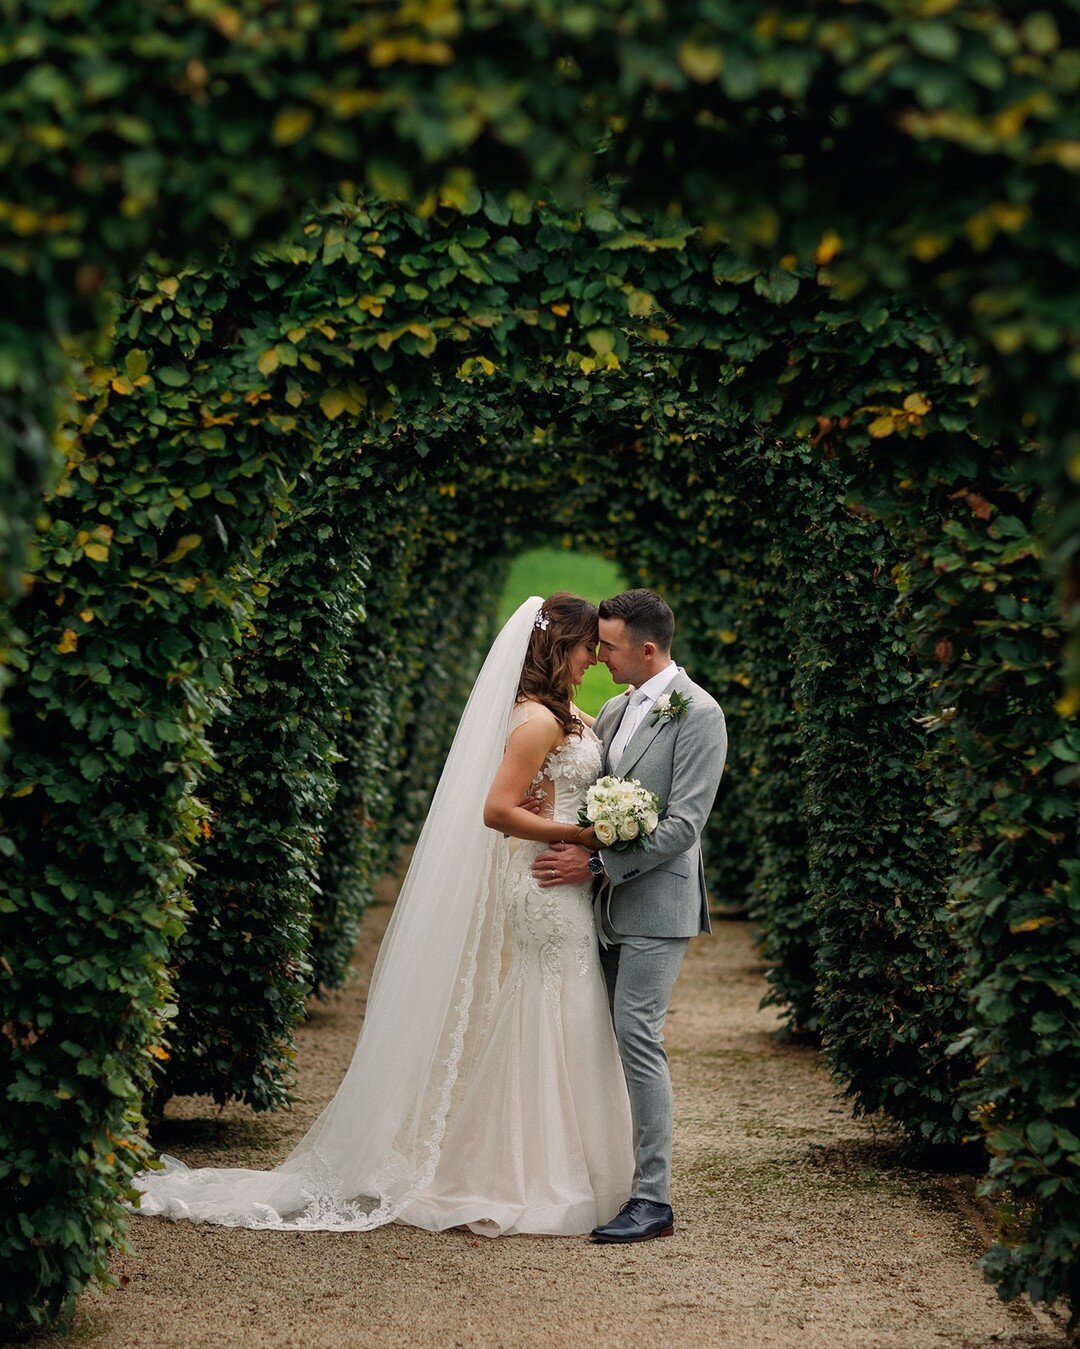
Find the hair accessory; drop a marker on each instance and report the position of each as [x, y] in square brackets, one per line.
[541, 621]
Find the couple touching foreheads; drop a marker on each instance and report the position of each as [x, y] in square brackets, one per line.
[510, 1076]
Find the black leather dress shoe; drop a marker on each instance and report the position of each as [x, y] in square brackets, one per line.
[638, 1220]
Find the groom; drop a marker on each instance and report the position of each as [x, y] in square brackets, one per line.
[670, 735]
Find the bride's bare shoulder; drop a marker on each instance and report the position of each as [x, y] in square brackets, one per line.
[529, 712]
[527, 708]
[583, 717]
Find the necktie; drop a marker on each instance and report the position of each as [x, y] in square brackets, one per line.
[632, 719]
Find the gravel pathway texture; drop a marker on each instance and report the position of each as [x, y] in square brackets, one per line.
[796, 1224]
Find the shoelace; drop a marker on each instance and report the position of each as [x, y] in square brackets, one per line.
[631, 1204]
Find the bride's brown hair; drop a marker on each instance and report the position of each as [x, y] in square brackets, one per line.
[547, 674]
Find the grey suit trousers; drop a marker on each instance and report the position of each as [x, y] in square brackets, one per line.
[640, 973]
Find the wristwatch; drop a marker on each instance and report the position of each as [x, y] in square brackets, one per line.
[596, 864]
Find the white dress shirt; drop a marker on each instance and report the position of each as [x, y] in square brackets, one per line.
[641, 702]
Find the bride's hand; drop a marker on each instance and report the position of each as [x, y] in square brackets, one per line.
[530, 803]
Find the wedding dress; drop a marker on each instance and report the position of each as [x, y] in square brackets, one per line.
[486, 1088]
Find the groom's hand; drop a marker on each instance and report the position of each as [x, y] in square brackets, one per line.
[562, 864]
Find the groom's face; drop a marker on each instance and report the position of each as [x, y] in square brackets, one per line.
[617, 652]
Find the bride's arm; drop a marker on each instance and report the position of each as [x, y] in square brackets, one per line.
[583, 716]
[525, 753]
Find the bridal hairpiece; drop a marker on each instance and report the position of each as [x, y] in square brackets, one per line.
[541, 621]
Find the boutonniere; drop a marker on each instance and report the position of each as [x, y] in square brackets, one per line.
[670, 707]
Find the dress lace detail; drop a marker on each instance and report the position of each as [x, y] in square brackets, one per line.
[524, 1122]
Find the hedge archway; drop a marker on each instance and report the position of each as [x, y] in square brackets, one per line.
[374, 411]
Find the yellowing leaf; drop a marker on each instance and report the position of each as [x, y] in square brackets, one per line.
[157, 1051]
[1068, 704]
[135, 363]
[87, 615]
[98, 551]
[24, 791]
[561, 310]
[726, 635]
[701, 61]
[602, 340]
[168, 285]
[269, 361]
[1030, 924]
[333, 403]
[881, 426]
[917, 404]
[412, 50]
[290, 125]
[68, 642]
[828, 248]
[184, 545]
[926, 247]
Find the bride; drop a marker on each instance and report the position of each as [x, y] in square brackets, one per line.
[486, 1088]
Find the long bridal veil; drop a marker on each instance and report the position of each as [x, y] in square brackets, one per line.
[375, 1146]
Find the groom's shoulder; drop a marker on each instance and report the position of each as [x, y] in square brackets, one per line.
[703, 698]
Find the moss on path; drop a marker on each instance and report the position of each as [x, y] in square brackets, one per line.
[796, 1225]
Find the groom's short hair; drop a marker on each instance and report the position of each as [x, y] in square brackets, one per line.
[648, 618]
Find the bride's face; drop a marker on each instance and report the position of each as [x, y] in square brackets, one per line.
[582, 656]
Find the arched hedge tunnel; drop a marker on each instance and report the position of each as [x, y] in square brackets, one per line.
[270, 565]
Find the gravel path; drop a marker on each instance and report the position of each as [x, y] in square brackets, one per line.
[795, 1226]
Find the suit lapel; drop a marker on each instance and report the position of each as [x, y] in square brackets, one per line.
[646, 733]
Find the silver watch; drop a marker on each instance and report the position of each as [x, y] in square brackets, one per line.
[596, 864]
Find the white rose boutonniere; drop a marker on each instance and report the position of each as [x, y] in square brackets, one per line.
[670, 707]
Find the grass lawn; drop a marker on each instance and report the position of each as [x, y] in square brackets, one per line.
[545, 570]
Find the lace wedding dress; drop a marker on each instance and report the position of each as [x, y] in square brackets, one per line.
[541, 1140]
[485, 1088]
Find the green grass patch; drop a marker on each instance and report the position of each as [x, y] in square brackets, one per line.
[545, 570]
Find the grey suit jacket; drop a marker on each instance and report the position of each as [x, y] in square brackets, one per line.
[660, 892]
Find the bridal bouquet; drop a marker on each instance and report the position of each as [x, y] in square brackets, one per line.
[621, 811]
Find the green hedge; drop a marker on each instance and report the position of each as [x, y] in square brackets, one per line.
[358, 845]
[886, 963]
[1007, 767]
[749, 122]
[242, 968]
[485, 365]
[130, 624]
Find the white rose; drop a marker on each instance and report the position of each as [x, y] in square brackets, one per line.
[650, 821]
[605, 832]
[662, 703]
[592, 810]
[629, 829]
